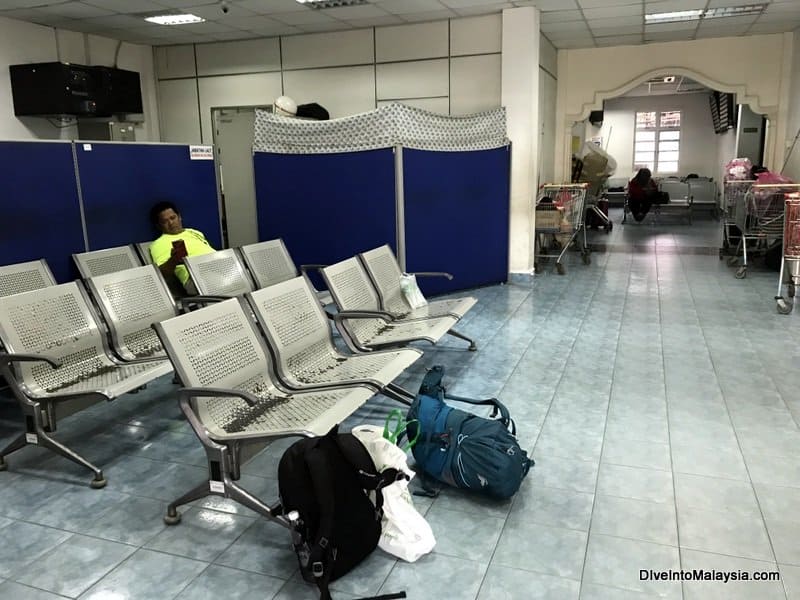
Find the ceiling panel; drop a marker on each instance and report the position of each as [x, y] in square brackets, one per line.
[547, 5]
[467, 3]
[607, 3]
[127, 6]
[720, 31]
[613, 11]
[399, 7]
[663, 27]
[619, 40]
[376, 21]
[565, 26]
[213, 11]
[558, 16]
[618, 21]
[662, 6]
[611, 31]
[364, 11]
[76, 10]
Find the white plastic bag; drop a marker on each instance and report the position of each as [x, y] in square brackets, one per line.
[410, 289]
[404, 532]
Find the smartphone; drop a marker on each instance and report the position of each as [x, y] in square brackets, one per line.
[179, 247]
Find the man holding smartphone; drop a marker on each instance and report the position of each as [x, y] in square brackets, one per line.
[174, 243]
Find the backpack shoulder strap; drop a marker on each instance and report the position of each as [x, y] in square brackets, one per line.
[497, 408]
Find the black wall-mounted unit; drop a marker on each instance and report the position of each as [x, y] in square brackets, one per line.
[66, 89]
[723, 111]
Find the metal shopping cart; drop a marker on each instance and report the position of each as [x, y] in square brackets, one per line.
[559, 223]
[759, 216]
[732, 192]
[790, 266]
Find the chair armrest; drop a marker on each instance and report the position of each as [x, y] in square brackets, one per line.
[183, 303]
[8, 358]
[362, 314]
[208, 392]
[449, 276]
[311, 266]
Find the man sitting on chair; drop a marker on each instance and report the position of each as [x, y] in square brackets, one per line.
[175, 243]
[643, 193]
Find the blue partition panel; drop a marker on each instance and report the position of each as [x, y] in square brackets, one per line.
[41, 214]
[457, 216]
[326, 207]
[121, 181]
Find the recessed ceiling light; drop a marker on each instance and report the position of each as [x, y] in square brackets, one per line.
[669, 79]
[174, 19]
[331, 3]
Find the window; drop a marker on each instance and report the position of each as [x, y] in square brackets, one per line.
[656, 142]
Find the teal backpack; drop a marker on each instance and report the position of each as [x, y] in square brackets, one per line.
[463, 449]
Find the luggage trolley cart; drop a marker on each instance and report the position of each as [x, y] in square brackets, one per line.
[732, 192]
[790, 266]
[759, 216]
[559, 221]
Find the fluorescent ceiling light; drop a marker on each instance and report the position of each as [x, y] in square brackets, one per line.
[174, 19]
[679, 15]
[711, 13]
[331, 3]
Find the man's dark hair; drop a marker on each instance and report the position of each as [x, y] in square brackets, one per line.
[160, 207]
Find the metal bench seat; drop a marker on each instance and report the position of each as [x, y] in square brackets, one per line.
[270, 263]
[231, 397]
[130, 302]
[56, 354]
[218, 273]
[303, 349]
[24, 277]
[384, 272]
[107, 260]
[362, 322]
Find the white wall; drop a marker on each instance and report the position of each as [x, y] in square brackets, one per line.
[22, 42]
[726, 151]
[451, 67]
[548, 81]
[750, 66]
[792, 168]
[698, 149]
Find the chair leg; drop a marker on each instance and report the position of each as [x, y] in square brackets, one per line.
[16, 444]
[472, 346]
[245, 498]
[173, 517]
[45, 440]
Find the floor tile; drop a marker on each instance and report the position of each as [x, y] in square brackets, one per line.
[24, 543]
[592, 591]
[304, 591]
[464, 536]
[785, 537]
[74, 566]
[264, 548]
[636, 453]
[714, 494]
[778, 502]
[564, 473]
[616, 562]
[697, 459]
[542, 549]
[221, 582]
[147, 575]
[202, 534]
[724, 533]
[551, 506]
[469, 502]
[436, 576]
[637, 483]
[773, 470]
[17, 591]
[732, 590]
[635, 519]
[504, 583]
[791, 581]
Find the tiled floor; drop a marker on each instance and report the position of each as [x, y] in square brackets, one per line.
[658, 394]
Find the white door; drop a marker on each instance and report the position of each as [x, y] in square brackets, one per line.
[233, 140]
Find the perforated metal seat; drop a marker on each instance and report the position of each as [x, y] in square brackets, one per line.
[303, 349]
[384, 272]
[24, 277]
[143, 248]
[219, 273]
[270, 263]
[364, 325]
[56, 353]
[108, 260]
[130, 302]
[231, 396]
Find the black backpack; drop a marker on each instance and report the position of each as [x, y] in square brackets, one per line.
[325, 480]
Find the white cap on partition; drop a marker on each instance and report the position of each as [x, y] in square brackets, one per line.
[285, 106]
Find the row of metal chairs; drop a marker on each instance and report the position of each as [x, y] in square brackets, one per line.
[256, 367]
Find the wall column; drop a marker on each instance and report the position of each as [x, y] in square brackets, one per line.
[520, 97]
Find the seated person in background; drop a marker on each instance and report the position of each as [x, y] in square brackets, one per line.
[643, 193]
[174, 243]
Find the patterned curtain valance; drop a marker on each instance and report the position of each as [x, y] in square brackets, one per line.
[390, 125]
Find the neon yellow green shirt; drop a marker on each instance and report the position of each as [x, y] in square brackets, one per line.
[196, 243]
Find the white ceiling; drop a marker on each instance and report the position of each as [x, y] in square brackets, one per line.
[657, 86]
[567, 23]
